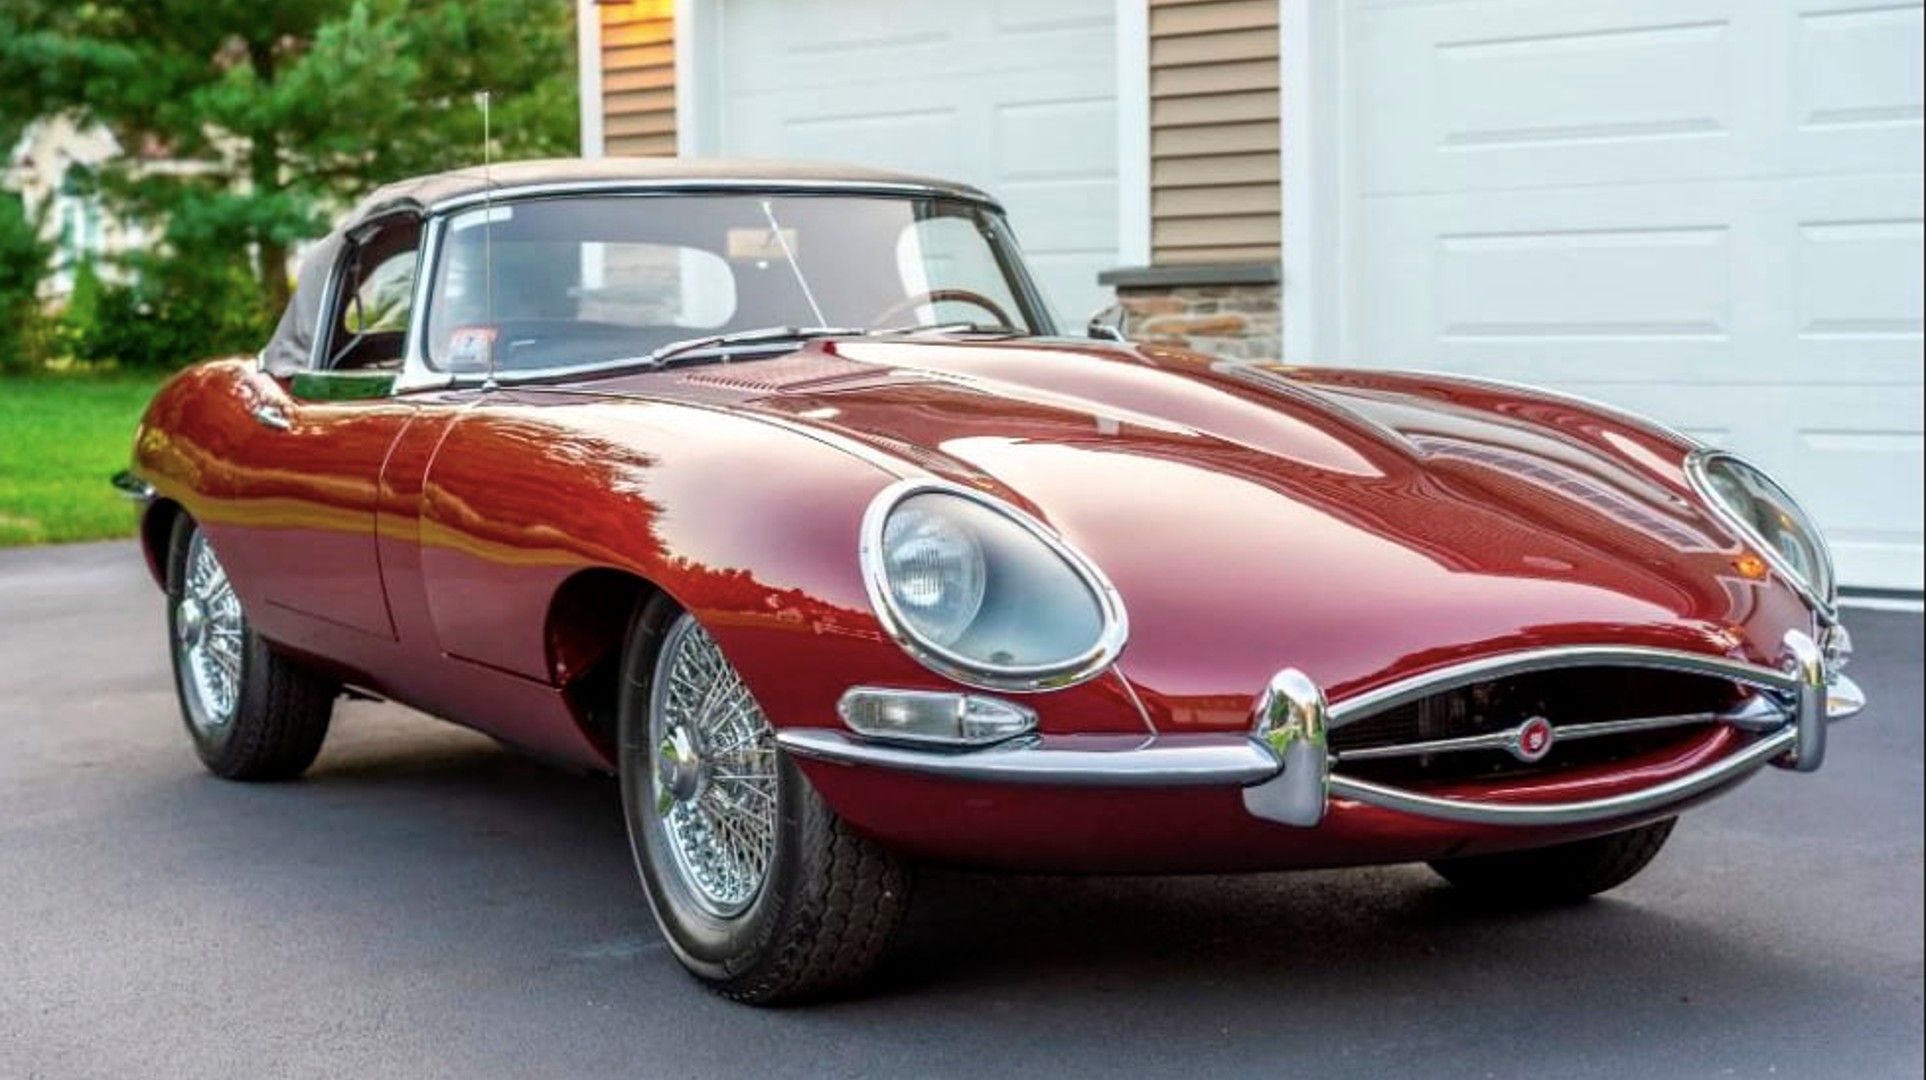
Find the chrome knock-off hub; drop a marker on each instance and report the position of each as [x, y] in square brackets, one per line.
[679, 766]
[190, 623]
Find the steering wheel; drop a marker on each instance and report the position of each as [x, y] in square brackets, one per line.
[938, 296]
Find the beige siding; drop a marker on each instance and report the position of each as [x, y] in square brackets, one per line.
[638, 78]
[1214, 183]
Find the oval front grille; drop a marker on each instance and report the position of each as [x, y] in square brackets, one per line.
[1534, 721]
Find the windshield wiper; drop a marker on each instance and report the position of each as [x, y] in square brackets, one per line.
[664, 354]
[947, 328]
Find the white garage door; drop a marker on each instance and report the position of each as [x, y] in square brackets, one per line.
[1706, 210]
[1016, 97]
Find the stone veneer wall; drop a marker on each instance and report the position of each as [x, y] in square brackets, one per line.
[1234, 312]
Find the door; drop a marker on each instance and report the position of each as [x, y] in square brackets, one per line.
[1019, 100]
[319, 441]
[1707, 211]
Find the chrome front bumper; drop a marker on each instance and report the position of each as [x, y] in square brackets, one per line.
[1288, 774]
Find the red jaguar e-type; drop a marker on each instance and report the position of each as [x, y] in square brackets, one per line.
[774, 490]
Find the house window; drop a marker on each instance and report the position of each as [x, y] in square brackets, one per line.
[79, 219]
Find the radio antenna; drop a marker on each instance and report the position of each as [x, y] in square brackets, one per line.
[488, 234]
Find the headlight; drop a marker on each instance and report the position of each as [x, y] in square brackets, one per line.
[981, 592]
[1768, 519]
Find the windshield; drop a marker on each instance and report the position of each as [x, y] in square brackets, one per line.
[579, 281]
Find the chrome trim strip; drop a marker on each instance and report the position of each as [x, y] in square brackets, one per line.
[1009, 678]
[1065, 761]
[1405, 691]
[668, 186]
[1508, 739]
[1827, 607]
[415, 372]
[132, 487]
[1740, 763]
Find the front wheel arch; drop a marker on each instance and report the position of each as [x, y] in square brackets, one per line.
[583, 635]
[157, 537]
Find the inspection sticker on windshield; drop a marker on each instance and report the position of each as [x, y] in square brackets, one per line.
[470, 347]
[760, 243]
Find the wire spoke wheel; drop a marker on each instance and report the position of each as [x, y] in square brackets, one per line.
[760, 889]
[209, 634]
[714, 785]
[252, 713]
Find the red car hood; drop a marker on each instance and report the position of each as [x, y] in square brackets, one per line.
[1356, 525]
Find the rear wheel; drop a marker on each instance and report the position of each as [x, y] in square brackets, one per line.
[761, 890]
[252, 713]
[1562, 874]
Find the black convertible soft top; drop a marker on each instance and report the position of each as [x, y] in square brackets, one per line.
[289, 349]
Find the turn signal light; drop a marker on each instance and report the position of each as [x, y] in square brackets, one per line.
[933, 716]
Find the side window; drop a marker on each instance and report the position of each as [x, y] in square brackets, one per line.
[368, 324]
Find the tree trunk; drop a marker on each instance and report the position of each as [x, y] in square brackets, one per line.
[264, 169]
[274, 277]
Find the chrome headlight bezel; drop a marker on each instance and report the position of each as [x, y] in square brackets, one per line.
[1823, 597]
[970, 671]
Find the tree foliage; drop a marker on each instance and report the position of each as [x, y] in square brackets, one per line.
[285, 112]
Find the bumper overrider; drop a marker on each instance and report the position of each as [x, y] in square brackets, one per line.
[1289, 773]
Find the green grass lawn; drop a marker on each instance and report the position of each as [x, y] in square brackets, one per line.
[61, 438]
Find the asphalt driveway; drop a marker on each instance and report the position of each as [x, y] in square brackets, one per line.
[426, 904]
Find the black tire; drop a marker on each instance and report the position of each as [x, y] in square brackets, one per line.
[1563, 874]
[281, 711]
[829, 901]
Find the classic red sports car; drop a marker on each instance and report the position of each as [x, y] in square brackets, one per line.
[775, 491]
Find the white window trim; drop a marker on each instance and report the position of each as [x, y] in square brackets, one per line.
[1311, 142]
[588, 74]
[698, 89]
[1133, 132]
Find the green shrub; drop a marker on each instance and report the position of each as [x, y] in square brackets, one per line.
[172, 313]
[23, 264]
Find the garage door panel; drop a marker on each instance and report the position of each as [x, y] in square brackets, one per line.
[1857, 86]
[1056, 139]
[1625, 284]
[1572, 286]
[1508, 95]
[918, 141]
[814, 44]
[1859, 297]
[778, 45]
[1028, 16]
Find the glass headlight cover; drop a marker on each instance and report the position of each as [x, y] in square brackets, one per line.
[1767, 518]
[983, 593]
[934, 570]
